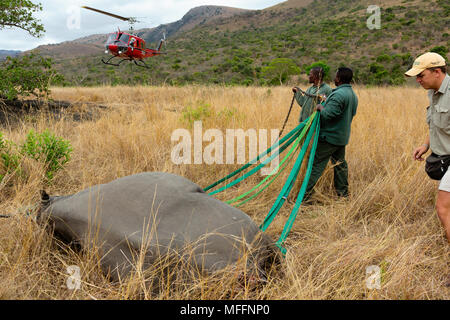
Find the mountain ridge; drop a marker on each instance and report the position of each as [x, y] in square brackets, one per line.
[92, 43]
[209, 46]
[9, 53]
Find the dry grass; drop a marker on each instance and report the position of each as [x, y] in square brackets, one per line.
[389, 219]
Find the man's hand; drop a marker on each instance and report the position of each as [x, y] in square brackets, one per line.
[295, 89]
[420, 151]
[319, 107]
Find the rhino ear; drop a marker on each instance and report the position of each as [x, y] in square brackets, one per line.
[45, 198]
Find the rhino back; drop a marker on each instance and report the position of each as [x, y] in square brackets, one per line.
[170, 210]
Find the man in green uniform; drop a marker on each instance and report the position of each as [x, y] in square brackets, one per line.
[308, 101]
[336, 115]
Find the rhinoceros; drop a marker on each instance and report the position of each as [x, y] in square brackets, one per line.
[160, 213]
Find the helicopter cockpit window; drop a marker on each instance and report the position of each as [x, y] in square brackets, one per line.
[124, 38]
[112, 37]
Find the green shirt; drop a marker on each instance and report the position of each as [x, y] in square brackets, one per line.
[438, 118]
[337, 115]
[307, 103]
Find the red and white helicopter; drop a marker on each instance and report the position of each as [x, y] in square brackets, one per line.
[127, 46]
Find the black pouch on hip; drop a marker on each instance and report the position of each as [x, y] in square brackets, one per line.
[436, 166]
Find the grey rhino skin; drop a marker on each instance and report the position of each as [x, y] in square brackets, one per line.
[160, 212]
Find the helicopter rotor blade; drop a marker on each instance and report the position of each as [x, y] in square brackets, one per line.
[110, 14]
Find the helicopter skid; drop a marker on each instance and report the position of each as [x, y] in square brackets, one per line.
[108, 62]
[140, 64]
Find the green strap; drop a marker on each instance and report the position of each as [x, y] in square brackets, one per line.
[275, 145]
[310, 125]
[293, 215]
[291, 179]
[265, 162]
[282, 197]
[276, 169]
[256, 169]
[268, 184]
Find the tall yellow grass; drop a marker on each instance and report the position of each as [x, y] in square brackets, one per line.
[388, 221]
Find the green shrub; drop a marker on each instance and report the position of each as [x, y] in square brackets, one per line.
[9, 161]
[383, 58]
[27, 75]
[52, 151]
[230, 113]
[201, 112]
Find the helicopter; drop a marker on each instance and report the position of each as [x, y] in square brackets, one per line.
[127, 46]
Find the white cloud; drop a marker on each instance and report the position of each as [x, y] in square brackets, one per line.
[56, 14]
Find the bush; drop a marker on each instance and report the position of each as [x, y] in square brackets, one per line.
[383, 58]
[27, 75]
[190, 114]
[52, 151]
[379, 75]
[9, 161]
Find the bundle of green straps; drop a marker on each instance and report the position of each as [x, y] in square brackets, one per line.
[298, 138]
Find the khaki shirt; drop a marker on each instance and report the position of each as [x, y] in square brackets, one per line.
[438, 118]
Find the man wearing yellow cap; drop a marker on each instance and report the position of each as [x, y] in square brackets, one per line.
[430, 70]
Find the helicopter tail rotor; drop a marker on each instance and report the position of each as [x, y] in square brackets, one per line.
[163, 40]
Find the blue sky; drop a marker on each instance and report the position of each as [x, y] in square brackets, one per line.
[63, 20]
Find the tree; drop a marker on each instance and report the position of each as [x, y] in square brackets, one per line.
[29, 74]
[378, 74]
[323, 65]
[19, 14]
[279, 69]
[26, 75]
[442, 50]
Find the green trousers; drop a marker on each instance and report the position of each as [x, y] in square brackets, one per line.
[326, 151]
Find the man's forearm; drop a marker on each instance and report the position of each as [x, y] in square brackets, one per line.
[299, 98]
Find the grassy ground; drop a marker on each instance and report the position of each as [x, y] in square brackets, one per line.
[388, 221]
